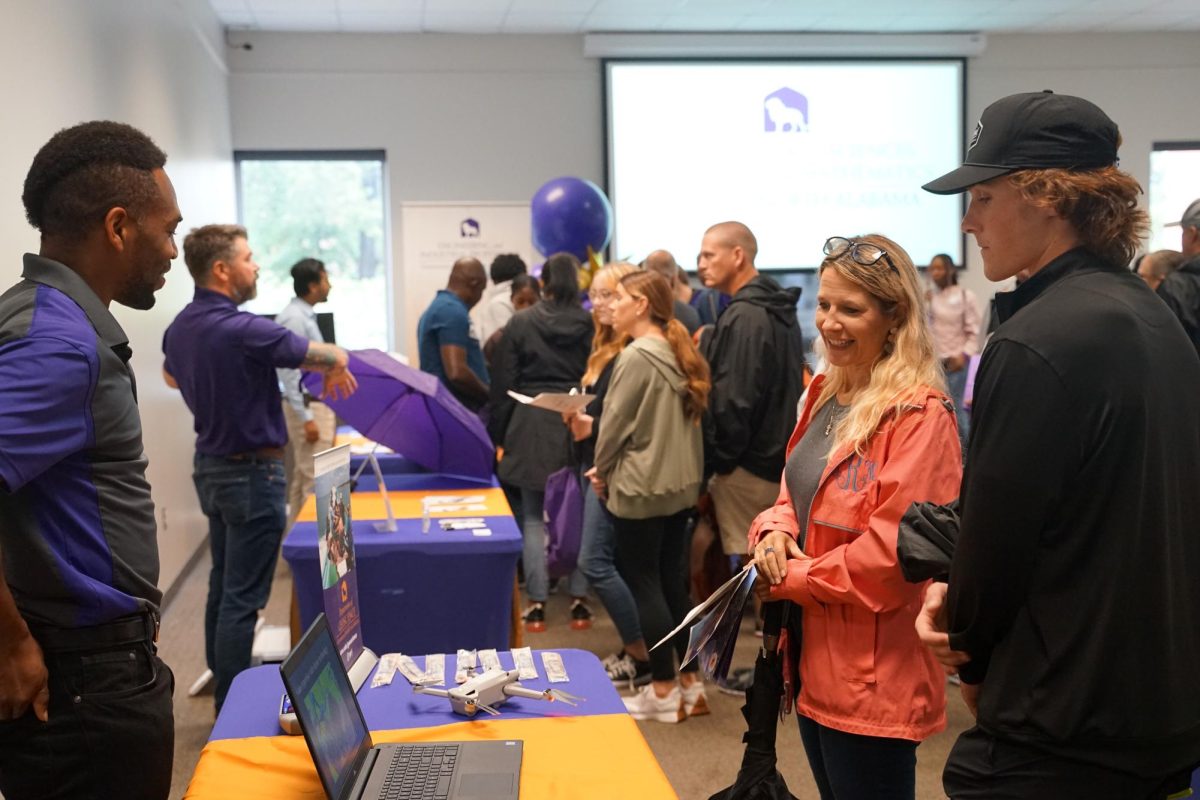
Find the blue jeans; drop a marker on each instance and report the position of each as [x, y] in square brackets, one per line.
[598, 563]
[849, 766]
[956, 384]
[533, 556]
[244, 502]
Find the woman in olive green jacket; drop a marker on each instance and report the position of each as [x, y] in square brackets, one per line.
[649, 458]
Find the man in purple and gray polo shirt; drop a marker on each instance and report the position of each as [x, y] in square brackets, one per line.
[223, 361]
[85, 702]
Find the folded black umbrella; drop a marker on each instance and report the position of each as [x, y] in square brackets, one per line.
[925, 543]
[758, 778]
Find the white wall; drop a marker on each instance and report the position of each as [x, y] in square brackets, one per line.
[492, 117]
[157, 65]
[462, 118]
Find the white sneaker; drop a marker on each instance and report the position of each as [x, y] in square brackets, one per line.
[695, 702]
[647, 705]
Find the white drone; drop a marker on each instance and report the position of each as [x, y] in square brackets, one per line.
[485, 691]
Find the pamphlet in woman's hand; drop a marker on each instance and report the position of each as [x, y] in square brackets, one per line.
[558, 402]
[738, 584]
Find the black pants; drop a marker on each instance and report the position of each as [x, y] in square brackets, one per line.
[849, 766]
[110, 733]
[652, 555]
[981, 766]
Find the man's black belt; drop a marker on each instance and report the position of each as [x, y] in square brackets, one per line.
[273, 453]
[126, 630]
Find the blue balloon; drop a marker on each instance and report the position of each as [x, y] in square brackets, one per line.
[570, 215]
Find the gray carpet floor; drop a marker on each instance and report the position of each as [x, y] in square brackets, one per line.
[699, 756]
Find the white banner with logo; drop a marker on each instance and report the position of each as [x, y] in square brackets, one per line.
[435, 235]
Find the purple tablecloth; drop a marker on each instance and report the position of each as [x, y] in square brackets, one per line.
[420, 592]
[252, 705]
[407, 475]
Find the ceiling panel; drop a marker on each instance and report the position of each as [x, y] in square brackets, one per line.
[395, 21]
[296, 21]
[702, 22]
[572, 16]
[302, 8]
[477, 20]
[531, 22]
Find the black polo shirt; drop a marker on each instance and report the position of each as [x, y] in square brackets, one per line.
[77, 529]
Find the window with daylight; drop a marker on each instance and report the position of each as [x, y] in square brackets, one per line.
[325, 205]
[1174, 176]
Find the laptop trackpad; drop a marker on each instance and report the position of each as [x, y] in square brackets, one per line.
[485, 784]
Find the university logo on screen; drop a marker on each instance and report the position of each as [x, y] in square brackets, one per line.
[785, 111]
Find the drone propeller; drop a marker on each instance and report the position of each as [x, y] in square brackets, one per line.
[564, 697]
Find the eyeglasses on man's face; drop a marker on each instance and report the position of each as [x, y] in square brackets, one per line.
[864, 253]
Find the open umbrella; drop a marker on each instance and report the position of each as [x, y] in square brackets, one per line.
[413, 413]
[758, 778]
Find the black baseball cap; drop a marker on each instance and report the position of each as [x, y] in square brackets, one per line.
[1036, 130]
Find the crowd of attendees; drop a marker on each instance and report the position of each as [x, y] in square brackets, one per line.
[1058, 459]
[710, 424]
[698, 390]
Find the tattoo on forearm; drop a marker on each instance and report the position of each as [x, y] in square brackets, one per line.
[320, 358]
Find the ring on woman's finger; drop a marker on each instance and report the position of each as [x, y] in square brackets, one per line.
[769, 550]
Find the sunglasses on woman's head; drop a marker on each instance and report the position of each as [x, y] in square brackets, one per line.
[864, 253]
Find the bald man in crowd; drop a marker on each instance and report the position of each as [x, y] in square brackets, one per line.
[1156, 266]
[757, 358]
[446, 339]
[664, 264]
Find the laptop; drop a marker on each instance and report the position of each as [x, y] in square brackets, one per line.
[351, 769]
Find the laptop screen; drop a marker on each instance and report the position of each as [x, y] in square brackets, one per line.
[328, 711]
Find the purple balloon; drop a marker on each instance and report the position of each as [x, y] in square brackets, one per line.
[570, 215]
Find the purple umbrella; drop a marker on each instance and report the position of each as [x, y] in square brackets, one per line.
[413, 413]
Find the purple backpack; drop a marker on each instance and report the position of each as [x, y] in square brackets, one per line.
[562, 512]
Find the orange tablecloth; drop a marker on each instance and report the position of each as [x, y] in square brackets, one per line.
[565, 758]
[407, 504]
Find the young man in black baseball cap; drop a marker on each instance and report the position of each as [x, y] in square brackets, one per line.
[1073, 609]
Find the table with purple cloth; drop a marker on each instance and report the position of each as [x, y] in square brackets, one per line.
[570, 753]
[252, 706]
[419, 591]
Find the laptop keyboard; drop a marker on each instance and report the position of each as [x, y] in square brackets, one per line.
[420, 772]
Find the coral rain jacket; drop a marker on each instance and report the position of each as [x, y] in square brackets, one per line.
[862, 668]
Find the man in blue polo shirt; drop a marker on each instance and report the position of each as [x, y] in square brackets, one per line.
[223, 361]
[447, 345]
[85, 703]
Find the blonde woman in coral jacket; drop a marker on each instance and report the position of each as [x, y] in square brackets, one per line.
[876, 433]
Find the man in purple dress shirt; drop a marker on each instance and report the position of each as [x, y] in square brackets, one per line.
[223, 361]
